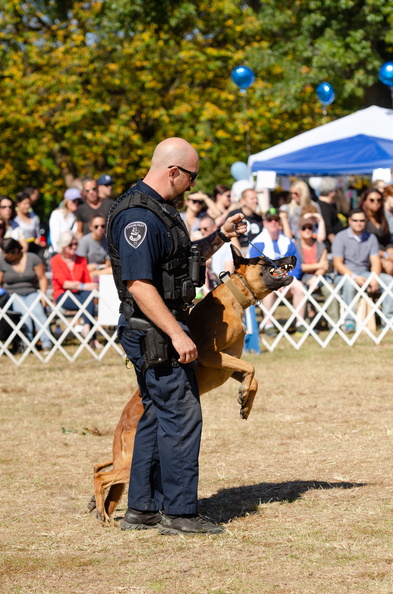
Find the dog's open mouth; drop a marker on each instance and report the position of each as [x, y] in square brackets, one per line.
[281, 271]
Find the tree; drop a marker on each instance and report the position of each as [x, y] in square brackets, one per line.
[91, 87]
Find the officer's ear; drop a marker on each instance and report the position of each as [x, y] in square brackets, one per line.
[172, 173]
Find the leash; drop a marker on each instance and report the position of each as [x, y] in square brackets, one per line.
[255, 247]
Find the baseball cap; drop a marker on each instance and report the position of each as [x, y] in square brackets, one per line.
[72, 194]
[104, 180]
[272, 213]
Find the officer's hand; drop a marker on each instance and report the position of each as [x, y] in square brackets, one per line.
[185, 347]
[234, 225]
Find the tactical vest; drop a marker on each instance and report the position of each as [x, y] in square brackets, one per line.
[178, 286]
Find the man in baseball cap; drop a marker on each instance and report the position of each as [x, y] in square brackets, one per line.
[105, 185]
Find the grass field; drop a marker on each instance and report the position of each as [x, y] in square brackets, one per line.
[304, 486]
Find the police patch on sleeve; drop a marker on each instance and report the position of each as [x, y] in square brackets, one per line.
[135, 233]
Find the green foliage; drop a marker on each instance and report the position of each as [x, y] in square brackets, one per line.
[90, 87]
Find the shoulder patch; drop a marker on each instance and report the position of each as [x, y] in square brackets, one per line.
[135, 233]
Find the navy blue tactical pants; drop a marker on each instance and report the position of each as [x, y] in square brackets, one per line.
[164, 470]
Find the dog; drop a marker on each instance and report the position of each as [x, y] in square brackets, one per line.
[217, 327]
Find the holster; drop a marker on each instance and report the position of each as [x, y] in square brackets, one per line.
[155, 344]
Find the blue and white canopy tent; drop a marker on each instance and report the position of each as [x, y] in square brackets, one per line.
[354, 144]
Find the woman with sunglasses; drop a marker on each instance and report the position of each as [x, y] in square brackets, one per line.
[12, 229]
[63, 218]
[94, 247]
[300, 205]
[218, 209]
[314, 263]
[28, 221]
[372, 203]
[70, 273]
[193, 212]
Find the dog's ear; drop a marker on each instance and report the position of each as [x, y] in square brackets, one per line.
[236, 255]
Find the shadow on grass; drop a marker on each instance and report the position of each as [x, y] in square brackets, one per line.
[236, 502]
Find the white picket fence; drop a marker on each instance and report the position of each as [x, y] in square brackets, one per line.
[69, 342]
[369, 318]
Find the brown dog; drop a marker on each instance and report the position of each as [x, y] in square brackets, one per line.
[217, 328]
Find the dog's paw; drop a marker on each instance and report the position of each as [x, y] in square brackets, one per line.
[245, 411]
[246, 407]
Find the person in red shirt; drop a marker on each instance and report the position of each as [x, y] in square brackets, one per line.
[70, 273]
[314, 262]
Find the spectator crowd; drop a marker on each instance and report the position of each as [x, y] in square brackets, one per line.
[331, 237]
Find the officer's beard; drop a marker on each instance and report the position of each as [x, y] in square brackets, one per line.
[178, 201]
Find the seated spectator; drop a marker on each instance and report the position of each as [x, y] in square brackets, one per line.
[314, 263]
[218, 208]
[29, 222]
[94, 247]
[274, 244]
[380, 185]
[70, 273]
[193, 212]
[104, 186]
[328, 209]
[33, 194]
[299, 205]
[371, 201]
[24, 274]
[7, 212]
[63, 218]
[249, 206]
[342, 206]
[220, 261]
[92, 204]
[3, 227]
[356, 253]
[388, 198]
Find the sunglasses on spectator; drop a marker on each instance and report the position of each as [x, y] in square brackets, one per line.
[275, 219]
[309, 227]
[99, 226]
[192, 174]
[375, 199]
[73, 244]
[90, 190]
[358, 220]
[195, 201]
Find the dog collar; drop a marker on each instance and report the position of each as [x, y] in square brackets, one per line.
[225, 277]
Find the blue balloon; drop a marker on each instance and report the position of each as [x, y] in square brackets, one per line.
[325, 93]
[386, 74]
[239, 171]
[243, 77]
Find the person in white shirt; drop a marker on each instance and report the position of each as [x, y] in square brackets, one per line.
[63, 218]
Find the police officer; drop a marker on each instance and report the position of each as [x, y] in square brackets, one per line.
[156, 270]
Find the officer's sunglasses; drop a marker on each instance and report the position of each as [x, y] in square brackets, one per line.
[192, 174]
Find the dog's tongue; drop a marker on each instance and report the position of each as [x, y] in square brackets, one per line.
[278, 272]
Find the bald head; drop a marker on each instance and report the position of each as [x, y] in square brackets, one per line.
[172, 151]
[173, 163]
